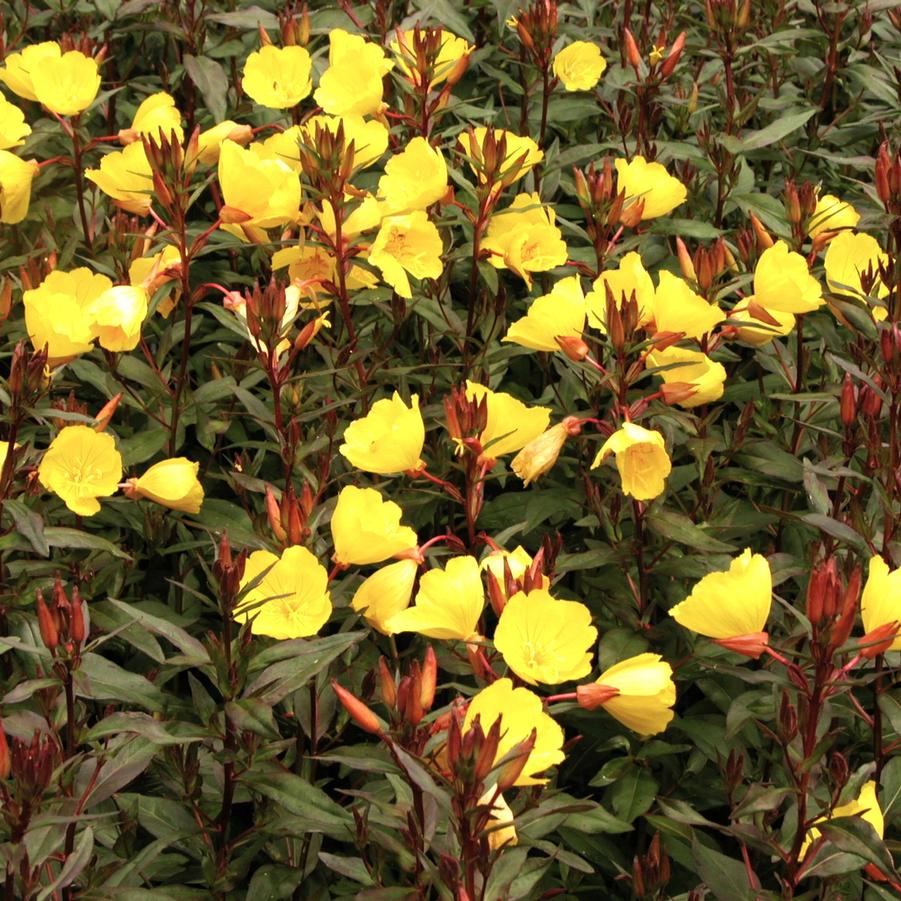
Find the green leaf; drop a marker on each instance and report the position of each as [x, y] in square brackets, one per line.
[211, 81]
[854, 835]
[102, 680]
[633, 794]
[29, 524]
[252, 715]
[891, 789]
[74, 865]
[836, 529]
[724, 876]
[60, 536]
[194, 652]
[129, 758]
[678, 527]
[775, 131]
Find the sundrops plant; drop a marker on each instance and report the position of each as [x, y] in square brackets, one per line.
[450, 450]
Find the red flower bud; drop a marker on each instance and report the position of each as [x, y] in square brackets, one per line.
[357, 710]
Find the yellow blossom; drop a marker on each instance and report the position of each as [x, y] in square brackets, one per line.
[18, 67]
[360, 214]
[278, 77]
[543, 639]
[366, 528]
[407, 244]
[451, 50]
[157, 117]
[865, 806]
[290, 599]
[641, 459]
[312, 264]
[520, 711]
[448, 604]
[783, 283]
[369, 137]
[414, 179]
[209, 142]
[510, 424]
[628, 279]
[500, 828]
[850, 257]
[386, 593]
[831, 214]
[558, 314]
[56, 313]
[579, 66]
[13, 128]
[117, 316]
[880, 603]
[693, 368]
[651, 183]
[518, 560]
[79, 466]
[521, 154]
[388, 439]
[152, 272]
[678, 309]
[126, 176]
[66, 85]
[352, 83]
[731, 603]
[758, 332]
[16, 176]
[540, 454]
[171, 483]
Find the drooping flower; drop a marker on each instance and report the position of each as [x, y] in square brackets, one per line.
[448, 604]
[414, 179]
[151, 273]
[521, 155]
[126, 176]
[880, 603]
[758, 332]
[18, 67]
[67, 84]
[386, 593]
[290, 599]
[157, 117]
[278, 77]
[731, 606]
[678, 309]
[388, 438]
[366, 528]
[642, 695]
[831, 214]
[558, 314]
[80, 466]
[541, 453]
[850, 260]
[510, 423]
[650, 183]
[579, 66]
[641, 459]
[543, 639]
[783, 283]
[172, 483]
[16, 176]
[520, 711]
[13, 127]
[352, 83]
[865, 806]
[692, 368]
[630, 279]
[116, 317]
[407, 244]
[451, 50]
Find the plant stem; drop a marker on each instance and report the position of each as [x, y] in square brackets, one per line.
[77, 153]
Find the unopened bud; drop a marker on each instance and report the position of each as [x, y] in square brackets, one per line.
[848, 403]
[47, 623]
[387, 685]
[574, 348]
[877, 641]
[429, 679]
[672, 60]
[102, 419]
[632, 53]
[685, 261]
[357, 710]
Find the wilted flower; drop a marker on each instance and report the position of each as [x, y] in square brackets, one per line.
[651, 184]
[126, 176]
[850, 260]
[691, 368]
[278, 77]
[171, 483]
[407, 244]
[386, 593]
[16, 176]
[448, 604]
[116, 317]
[388, 438]
[865, 806]
[366, 528]
[510, 425]
[641, 459]
[831, 214]
[290, 599]
[541, 453]
[880, 603]
[579, 66]
[67, 84]
[414, 179]
[782, 282]
[628, 280]
[352, 83]
[678, 309]
[558, 314]
[79, 466]
[13, 127]
[18, 67]
[543, 639]
[157, 117]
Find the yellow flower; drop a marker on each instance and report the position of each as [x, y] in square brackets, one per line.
[865, 806]
[880, 603]
[641, 459]
[540, 454]
[448, 604]
[266, 191]
[79, 466]
[15, 187]
[520, 711]
[209, 142]
[851, 256]
[452, 49]
[172, 483]
[629, 278]
[558, 314]
[650, 182]
[758, 332]
[693, 368]
[56, 313]
[502, 830]
[782, 282]
[117, 316]
[278, 77]
[13, 128]
[151, 273]
[731, 603]
[388, 438]
[370, 137]
[645, 693]
[407, 244]
[510, 424]
[365, 213]
[520, 156]
[524, 238]
[386, 593]
[678, 309]
[831, 214]
[66, 85]
[414, 179]
[18, 67]
[546, 640]
[579, 66]
[366, 528]
[156, 118]
[518, 560]
[352, 83]
[125, 175]
[291, 600]
[313, 264]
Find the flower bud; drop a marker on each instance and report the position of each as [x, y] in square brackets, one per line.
[429, 679]
[574, 348]
[752, 645]
[47, 624]
[512, 769]
[879, 640]
[5, 759]
[672, 60]
[387, 685]
[593, 695]
[632, 53]
[357, 710]
[848, 403]
[685, 262]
